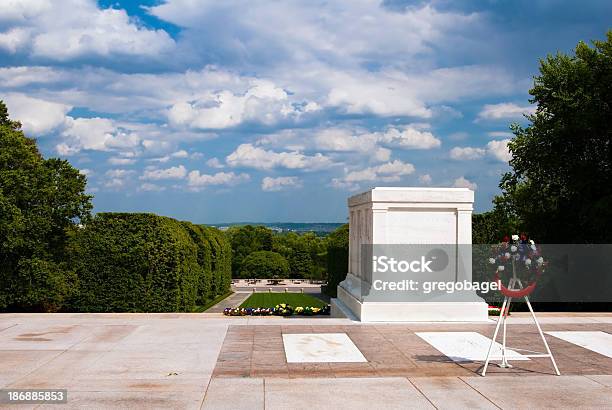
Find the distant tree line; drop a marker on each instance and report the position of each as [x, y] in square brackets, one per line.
[288, 255]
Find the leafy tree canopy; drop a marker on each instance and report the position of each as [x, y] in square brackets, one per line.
[560, 186]
[40, 201]
[265, 264]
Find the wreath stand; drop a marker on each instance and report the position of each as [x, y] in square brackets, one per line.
[509, 293]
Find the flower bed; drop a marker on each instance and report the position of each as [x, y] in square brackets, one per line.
[279, 310]
[495, 311]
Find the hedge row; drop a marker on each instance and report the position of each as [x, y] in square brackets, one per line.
[337, 258]
[136, 262]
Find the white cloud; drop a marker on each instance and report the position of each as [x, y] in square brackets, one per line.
[388, 172]
[115, 183]
[247, 155]
[214, 163]
[467, 153]
[178, 172]
[382, 154]
[409, 93]
[14, 39]
[196, 181]
[462, 182]
[114, 160]
[148, 187]
[37, 116]
[117, 178]
[425, 179]
[67, 29]
[410, 138]
[340, 139]
[99, 134]
[277, 184]
[504, 111]
[263, 102]
[344, 140]
[329, 57]
[14, 77]
[178, 154]
[119, 173]
[499, 150]
[367, 95]
[331, 28]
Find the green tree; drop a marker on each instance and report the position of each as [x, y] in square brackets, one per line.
[265, 264]
[490, 227]
[41, 201]
[560, 186]
[246, 240]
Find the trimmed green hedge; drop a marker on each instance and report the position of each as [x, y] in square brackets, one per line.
[146, 263]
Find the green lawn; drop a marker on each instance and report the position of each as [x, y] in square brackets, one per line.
[269, 300]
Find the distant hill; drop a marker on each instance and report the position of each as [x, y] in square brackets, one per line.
[319, 228]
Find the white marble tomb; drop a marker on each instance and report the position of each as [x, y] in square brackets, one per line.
[406, 216]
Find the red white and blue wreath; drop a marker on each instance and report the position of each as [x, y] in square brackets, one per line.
[520, 259]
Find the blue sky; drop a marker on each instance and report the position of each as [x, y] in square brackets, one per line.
[278, 111]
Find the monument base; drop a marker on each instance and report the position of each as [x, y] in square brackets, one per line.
[347, 305]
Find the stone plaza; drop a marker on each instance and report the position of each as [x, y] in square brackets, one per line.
[193, 361]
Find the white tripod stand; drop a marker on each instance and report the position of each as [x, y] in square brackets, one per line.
[503, 314]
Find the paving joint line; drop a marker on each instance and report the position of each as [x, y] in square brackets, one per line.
[419, 390]
[477, 391]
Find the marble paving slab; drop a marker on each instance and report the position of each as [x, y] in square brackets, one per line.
[466, 346]
[596, 341]
[321, 348]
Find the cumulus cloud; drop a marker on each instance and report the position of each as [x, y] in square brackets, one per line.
[277, 184]
[462, 182]
[196, 181]
[499, 150]
[387, 172]
[117, 178]
[263, 102]
[111, 160]
[340, 139]
[376, 146]
[38, 117]
[467, 153]
[149, 187]
[344, 32]
[248, 155]
[182, 154]
[504, 111]
[407, 137]
[67, 29]
[99, 134]
[214, 163]
[14, 77]
[178, 172]
[14, 39]
[425, 179]
[410, 137]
